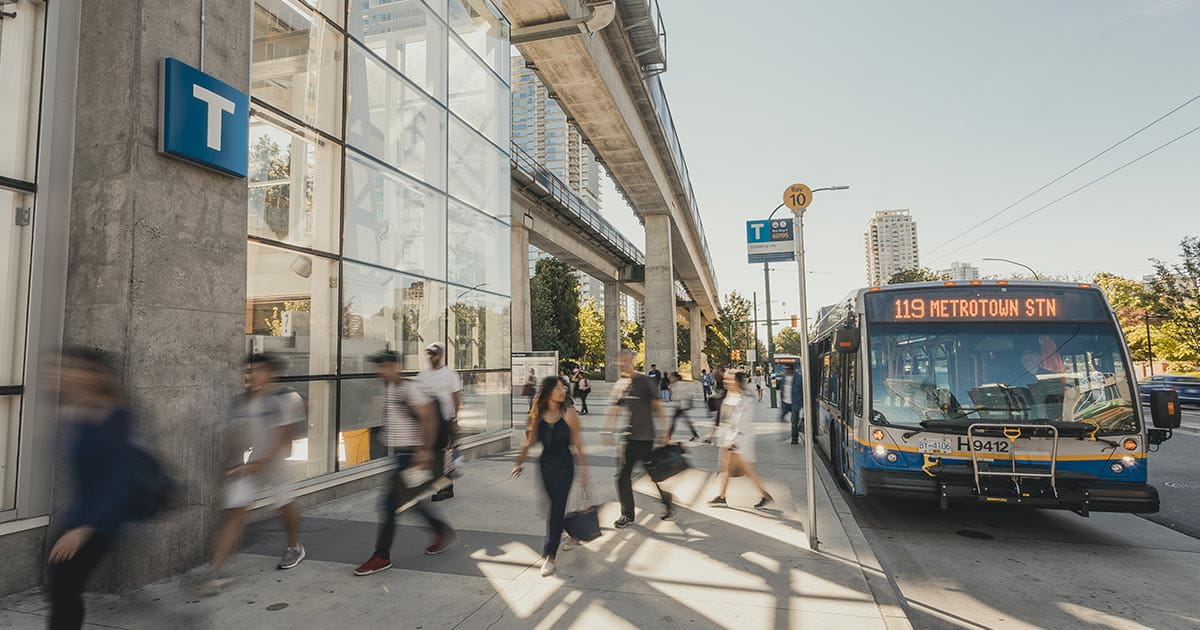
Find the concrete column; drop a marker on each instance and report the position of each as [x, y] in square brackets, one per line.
[612, 329]
[522, 324]
[157, 260]
[696, 325]
[661, 340]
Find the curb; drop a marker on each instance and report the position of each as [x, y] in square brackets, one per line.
[885, 591]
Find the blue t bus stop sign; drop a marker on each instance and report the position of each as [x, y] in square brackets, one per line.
[770, 240]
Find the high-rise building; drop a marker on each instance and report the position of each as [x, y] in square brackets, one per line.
[891, 244]
[541, 129]
[961, 271]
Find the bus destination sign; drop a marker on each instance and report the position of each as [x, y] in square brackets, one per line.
[929, 308]
[967, 304]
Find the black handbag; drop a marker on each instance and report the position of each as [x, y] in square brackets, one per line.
[584, 524]
[665, 462]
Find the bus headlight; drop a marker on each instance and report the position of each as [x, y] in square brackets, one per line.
[880, 450]
[1128, 460]
[892, 457]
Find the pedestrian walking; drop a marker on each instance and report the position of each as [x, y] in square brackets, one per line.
[439, 382]
[263, 422]
[555, 425]
[715, 401]
[530, 387]
[635, 393]
[737, 449]
[790, 400]
[758, 384]
[706, 383]
[664, 387]
[410, 421]
[583, 387]
[99, 463]
[683, 406]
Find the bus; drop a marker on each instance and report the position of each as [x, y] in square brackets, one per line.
[777, 363]
[988, 392]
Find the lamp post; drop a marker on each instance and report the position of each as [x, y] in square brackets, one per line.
[1035, 274]
[767, 282]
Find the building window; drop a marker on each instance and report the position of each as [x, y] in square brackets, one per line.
[396, 236]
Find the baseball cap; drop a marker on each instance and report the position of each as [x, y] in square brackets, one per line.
[387, 356]
[434, 348]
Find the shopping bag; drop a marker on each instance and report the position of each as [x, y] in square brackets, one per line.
[665, 462]
[584, 523]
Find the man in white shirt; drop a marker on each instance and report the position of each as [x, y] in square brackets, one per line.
[441, 383]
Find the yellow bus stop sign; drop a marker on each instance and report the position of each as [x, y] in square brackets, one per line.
[797, 196]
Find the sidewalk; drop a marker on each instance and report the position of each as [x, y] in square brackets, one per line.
[731, 567]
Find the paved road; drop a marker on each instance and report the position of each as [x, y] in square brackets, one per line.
[1175, 471]
[1000, 567]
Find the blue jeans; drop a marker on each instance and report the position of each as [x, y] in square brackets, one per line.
[792, 409]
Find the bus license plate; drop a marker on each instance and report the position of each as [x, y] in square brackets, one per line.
[983, 446]
[935, 445]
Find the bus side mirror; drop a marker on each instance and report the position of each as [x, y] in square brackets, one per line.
[1164, 409]
[845, 340]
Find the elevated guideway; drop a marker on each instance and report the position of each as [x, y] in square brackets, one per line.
[601, 59]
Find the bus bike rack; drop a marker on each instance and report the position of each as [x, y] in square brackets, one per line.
[1012, 432]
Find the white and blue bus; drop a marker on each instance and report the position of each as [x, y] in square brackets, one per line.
[992, 392]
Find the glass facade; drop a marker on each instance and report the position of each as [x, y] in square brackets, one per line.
[21, 36]
[379, 208]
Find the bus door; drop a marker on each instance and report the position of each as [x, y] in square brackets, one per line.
[845, 396]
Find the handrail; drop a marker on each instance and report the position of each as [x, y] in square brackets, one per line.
[580, 212]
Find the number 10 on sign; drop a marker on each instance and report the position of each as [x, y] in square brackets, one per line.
[797, 196]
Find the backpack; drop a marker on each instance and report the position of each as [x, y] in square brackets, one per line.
[150, 489]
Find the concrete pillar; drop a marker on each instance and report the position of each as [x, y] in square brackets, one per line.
[696, 326]
[157, 261]
[522, 324]
[661, 340]
[612, 329]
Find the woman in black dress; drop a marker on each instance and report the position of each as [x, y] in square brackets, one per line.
[554, 423]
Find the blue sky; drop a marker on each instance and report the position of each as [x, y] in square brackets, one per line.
[950, 109]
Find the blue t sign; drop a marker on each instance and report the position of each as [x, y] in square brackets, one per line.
[202, 120]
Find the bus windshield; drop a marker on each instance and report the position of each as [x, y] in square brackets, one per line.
[947, 376]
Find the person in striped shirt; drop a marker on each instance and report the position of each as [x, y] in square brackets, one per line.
[409, 428]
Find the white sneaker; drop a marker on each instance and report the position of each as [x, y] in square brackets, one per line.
[548, 567]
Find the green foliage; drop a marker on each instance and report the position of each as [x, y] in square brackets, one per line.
[787, 341]
[916, 274]
[717, 344]
[554, 309]
[1176, 289]
[632, 334]
[591, 333]
[683, 343]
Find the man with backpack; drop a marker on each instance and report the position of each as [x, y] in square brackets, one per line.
[264, 421]
[440, 383]
[410, 428]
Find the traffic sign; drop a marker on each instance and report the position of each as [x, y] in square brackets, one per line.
[770, 240]
[797, 196]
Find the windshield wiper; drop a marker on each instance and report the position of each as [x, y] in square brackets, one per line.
[970, 410]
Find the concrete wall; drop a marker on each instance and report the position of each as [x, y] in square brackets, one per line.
[157, 263]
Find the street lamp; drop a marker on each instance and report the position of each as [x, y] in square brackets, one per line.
[767, 282]
[1035, 274]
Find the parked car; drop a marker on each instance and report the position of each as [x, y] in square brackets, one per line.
[1187, 386]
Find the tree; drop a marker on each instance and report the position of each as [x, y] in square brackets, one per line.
[787, 341]
[916, 274]
[591, 333]
[683, 342]
[632, 334]
[554, 308]
[1176, 289]
[734, 311]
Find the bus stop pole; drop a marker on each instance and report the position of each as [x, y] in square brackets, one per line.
[806, 384]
